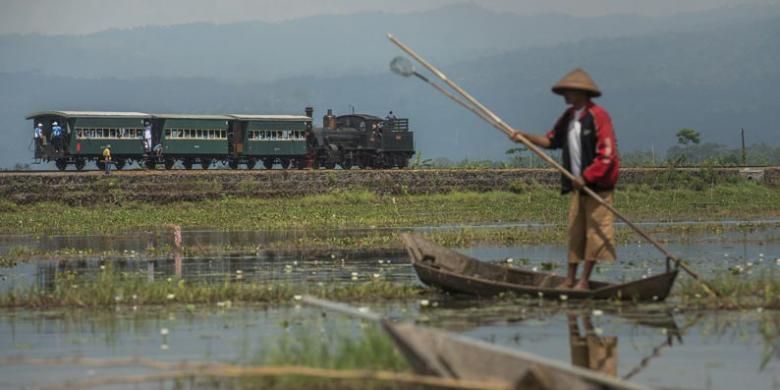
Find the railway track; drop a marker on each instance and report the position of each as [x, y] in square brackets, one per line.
[226, 170]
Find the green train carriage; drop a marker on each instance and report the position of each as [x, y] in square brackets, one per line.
[86, 133]
[269, 139]
[191, 139]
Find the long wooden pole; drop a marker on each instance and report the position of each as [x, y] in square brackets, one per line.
[499, 124]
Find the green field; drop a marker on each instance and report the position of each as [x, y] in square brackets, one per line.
[363, 209]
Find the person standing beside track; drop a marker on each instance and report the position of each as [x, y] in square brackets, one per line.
[584, 132]
[107, 159]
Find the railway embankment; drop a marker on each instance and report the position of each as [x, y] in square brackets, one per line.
[84, 188]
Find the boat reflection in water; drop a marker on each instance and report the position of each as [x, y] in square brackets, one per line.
[589, 349]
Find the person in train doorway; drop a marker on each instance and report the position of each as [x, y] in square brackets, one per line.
[38, 135]
[56, 136]
[147, 136]
[107, 159]
[584, 133]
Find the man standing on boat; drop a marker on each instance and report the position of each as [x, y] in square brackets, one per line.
[584, 133]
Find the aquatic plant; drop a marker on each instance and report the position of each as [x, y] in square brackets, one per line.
[110, 288]
[746, 291]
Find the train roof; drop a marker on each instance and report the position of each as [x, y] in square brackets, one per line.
[89, 114]
[361, 116]
[282, 118]
[192, 116]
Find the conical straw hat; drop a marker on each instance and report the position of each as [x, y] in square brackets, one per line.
[577, 79]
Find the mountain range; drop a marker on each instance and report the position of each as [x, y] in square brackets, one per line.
[715, 72]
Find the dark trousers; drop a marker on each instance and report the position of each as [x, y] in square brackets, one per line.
[108, 166]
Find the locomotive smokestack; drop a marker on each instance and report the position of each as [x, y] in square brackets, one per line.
[329, 120]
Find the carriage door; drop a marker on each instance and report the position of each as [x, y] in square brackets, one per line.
[236, 138]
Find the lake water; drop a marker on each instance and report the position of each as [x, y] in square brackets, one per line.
[653, 344]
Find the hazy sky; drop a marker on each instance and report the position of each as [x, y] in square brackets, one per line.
[85, 16]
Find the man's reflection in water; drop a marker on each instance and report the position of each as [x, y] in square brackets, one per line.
[589, 350]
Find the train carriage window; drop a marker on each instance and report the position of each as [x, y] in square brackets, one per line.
[167, 133]
[224, 134]
[112, 133]
[199, 133]
[211, 134]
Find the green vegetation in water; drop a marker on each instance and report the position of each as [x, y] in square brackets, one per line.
[746, 291]
[111, 288]
[338, 345]
[363, 209]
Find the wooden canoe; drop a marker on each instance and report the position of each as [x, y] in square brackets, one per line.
[454, 272]
[443, 354]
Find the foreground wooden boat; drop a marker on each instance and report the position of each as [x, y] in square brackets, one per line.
[452, 271]
[443, 354]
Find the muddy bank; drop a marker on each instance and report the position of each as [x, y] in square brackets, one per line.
[81, 188]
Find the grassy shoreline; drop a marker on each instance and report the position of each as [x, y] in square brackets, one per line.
[367, 210]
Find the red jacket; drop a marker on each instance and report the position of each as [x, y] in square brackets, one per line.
[600, 160]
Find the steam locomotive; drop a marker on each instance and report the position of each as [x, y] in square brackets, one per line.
[235, 140]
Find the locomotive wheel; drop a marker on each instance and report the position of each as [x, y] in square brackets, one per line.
[346, 164]
[285, 163]
[101, 165]
[119, 164]
[61, 164]
[150, 164]
[251, 163]
[268, 163]
[80, 164]
[403, 162]
[169, 164]
[205, 163]
[330, 165]
[188, 163]
[233, 164]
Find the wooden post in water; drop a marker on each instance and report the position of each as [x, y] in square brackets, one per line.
[177, 250]
[744, 155]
